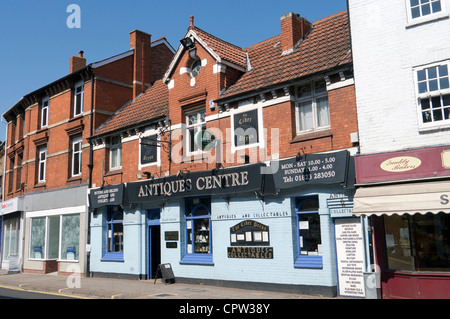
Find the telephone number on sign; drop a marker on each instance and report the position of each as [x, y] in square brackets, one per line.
[324, 175]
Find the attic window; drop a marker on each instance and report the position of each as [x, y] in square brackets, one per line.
[196, 67]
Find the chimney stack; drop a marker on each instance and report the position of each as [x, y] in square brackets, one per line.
[142, 74]
[77, 62]
[293, 29]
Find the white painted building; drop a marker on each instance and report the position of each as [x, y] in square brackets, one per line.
[390, 49]
[401, 57]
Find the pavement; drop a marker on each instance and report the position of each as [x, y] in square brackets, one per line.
[113, 288]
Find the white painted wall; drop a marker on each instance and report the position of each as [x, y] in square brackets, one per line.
[386, 49]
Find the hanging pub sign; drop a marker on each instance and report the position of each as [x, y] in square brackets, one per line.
[314, 169]
[106, 196]
[149, 149]
[246, 178]
[246, 128]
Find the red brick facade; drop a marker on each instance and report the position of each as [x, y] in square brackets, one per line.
[222, 68]
[112, 87]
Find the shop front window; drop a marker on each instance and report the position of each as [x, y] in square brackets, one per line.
[10, 238]
[70, 237]
[198, 229]
[418, 243]
[114, 234]
[37, 241]
[309, 239]
[55, 237]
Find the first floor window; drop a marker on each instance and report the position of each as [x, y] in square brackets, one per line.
[433, 87]
[198, 225]
[115, 230]
[42, 164]
[76, 156]
[115, 154]
[312, 109]
[418, 242]
[196, 124]
[422, 8]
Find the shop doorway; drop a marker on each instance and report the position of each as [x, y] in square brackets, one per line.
[153, 242]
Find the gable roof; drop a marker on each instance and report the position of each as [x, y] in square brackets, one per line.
[222, 51]
[150, 105]
[326, 47]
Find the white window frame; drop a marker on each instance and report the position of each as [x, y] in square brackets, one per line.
[115, 147]
[313, 98]
[247, 106]
[77, 96]
[196, 127]
[423, 19]
[77, 140]
[150, 132]
[44, 111]
[42, 164]
[73, 211]
[429, 95]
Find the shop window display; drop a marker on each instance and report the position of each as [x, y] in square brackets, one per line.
[418, 242]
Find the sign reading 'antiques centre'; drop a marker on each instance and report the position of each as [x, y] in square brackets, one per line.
[245, 178]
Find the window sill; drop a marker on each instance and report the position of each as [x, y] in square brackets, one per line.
[429, 18]
[113, 257]
[311, 136]
[40, 185]
[74, 179]
[113, 172]
[311, 262]
[197, 259]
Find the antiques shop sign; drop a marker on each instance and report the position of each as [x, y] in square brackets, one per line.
[313, 169]
[225, 181]
[109, 195]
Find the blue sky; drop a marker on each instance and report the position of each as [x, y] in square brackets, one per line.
[36, 43]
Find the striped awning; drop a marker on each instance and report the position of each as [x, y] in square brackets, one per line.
[407, 198]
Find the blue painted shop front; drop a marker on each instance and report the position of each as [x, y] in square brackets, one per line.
[244, 236]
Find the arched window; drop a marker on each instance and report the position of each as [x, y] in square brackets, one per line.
[198, 226]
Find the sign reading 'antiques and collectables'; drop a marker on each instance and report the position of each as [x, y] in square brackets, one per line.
[105, 196]
[246, 178]
[250, 252]
[313, 168]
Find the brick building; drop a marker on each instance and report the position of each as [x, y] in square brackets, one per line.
[48, 157]
[403, 98]
[233, 167]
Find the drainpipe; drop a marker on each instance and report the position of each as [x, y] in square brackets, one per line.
[91, 167]
[4, 161]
